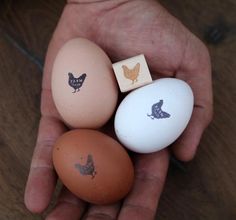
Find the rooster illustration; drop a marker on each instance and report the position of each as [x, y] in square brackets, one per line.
[132, 74]
[76, 83]
[157, 112]
[88, 168]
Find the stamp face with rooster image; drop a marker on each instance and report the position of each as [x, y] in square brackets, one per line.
[132, 74]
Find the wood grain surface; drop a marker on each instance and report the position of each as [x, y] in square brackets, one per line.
[203, 189]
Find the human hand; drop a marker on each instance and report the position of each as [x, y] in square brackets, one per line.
[123, 29]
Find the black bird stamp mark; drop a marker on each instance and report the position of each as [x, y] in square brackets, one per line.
[88, 168]
[76, 83]
[157, 111]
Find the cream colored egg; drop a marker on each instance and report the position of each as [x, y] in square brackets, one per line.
[84, 88]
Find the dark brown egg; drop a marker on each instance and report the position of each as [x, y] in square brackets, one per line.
[93, 166]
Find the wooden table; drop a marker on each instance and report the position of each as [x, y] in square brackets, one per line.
[204, 188]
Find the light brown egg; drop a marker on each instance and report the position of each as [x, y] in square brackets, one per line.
[93, 166]
[83, 84]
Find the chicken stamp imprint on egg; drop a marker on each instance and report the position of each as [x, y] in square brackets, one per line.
[76, 82]
[88, 168]
[157, 112]
[132, 73]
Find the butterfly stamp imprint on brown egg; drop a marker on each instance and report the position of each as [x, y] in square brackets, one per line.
[88, 168]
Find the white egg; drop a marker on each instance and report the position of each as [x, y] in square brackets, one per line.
[154, 116]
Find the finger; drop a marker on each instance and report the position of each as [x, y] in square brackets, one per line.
[103, 212]
[150, 174]
[42, 178]
[196, 71]
[185, 147]
[68, 207]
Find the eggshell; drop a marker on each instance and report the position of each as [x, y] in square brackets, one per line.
[93, 166]
[154, 116]
[83, 84]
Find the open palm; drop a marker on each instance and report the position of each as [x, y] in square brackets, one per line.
[123, 29]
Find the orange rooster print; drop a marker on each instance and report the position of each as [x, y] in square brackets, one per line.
[132, 74]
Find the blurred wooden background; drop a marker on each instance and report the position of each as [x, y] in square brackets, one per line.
[205, 189]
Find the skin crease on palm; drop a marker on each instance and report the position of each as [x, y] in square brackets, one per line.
[123, 29]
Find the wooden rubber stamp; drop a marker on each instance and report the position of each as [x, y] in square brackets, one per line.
[132, 73]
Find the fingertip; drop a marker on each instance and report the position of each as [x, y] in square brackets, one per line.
[32, 206]
[186, 146]
[183, 155]
[39, 189]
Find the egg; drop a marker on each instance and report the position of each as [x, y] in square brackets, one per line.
[93, 166]
[83, 84]
[154, 116]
